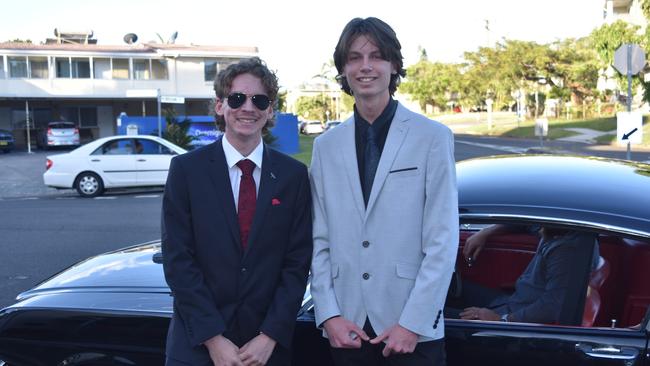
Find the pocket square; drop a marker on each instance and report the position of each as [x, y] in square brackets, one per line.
[275, 202]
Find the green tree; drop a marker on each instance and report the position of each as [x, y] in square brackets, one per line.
[432, 83]
[176, 131]
[314, 108]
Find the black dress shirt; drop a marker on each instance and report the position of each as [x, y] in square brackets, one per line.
[381, 126]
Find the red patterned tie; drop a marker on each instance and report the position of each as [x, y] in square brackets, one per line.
[246, 202]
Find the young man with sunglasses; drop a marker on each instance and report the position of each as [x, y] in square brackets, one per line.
[385, 214]
[236, 234]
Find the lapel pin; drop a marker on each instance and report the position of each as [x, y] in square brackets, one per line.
[275, 202]
[272, 175]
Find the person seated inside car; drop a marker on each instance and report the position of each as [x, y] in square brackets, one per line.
[550, 290]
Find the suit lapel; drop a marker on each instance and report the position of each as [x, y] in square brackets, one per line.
[394, 140]
[266, 190]
[349, 151]
[218, 172]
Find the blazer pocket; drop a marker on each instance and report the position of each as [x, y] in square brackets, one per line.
[408, 271]
[404, 172]
[335, 271]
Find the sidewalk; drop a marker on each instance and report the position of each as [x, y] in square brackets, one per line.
[586, 135]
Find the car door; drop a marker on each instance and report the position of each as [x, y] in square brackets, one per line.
[152, 162]
[613, 320]
[115, 162]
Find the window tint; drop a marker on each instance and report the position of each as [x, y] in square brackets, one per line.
[149, 147]
[116, 147]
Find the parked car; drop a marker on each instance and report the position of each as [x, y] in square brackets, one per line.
[115, 308]
[331, 124]
[312, 128]
[63, 134]
[112, 162]
[7, 141]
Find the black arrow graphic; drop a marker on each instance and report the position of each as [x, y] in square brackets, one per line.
[627, 135]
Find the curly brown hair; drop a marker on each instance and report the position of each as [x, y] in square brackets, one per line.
[254, 66]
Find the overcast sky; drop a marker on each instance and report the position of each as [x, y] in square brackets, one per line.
[297, 37]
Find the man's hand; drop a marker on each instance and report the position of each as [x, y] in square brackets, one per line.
[473, 246]
[342, 333]
[474, 313]
[257, 351]
[222, 351]
[398, 340]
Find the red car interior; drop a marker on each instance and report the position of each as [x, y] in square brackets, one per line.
[617, 289]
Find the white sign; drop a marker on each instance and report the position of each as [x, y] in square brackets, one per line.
[142, 93]
[637, 61]
[172, 99]
[629, 128]
[541, 127]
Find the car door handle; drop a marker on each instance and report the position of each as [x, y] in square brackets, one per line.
[142, 160]
[609, 352]
[95, 160]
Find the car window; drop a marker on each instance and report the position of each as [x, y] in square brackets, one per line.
[537, 274]
[116, 147]
[143, 146]
[61, 125]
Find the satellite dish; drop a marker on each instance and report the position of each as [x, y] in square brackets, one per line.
[172, 39]
[130, 38]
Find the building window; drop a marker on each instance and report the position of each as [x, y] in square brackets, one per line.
[212, 66]
[141, 69]
[80, 67]
[147, 69]
[159, 69]
[81, 116]
[120, 68]
[62, 66]
[17, 67]
[2, 67]
[38, 68]
[102, 68]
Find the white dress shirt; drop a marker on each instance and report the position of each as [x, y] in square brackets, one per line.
[233, 157]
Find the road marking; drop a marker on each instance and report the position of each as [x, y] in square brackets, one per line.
[105, 198]
[65, 198]
[27, 199]
[512, 149]
[148, 196]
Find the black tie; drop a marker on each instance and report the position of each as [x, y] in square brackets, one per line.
[371, 156]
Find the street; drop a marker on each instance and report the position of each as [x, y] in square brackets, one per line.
[43, 230]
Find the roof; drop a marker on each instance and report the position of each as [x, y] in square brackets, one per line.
[164, 49]
[596, 192]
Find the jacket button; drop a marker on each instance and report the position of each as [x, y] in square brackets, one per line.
[366, 276]
[243, 270]
[365, 243]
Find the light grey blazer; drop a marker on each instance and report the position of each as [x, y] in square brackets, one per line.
[401, 275]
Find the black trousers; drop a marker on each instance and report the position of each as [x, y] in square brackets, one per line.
[430, 353]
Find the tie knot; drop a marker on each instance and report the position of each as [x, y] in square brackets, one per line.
[246, 166]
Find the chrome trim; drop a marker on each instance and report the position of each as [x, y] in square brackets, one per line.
[553, 220]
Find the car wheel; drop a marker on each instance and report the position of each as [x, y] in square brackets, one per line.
[89, 184]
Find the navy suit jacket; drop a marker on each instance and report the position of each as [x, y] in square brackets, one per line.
[217, 287]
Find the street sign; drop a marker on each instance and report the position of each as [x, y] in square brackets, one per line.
[637, 59]
[626, 123]
[172, 99]
[142, 93]
[541, 127]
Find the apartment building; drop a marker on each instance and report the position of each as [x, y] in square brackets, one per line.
[73, 78]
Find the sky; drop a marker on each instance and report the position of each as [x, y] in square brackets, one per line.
[296, 37]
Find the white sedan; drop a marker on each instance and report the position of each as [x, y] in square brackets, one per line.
[112, 162]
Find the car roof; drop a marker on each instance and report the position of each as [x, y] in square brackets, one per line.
[594, 192]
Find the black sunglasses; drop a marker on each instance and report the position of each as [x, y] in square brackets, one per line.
[236, 100]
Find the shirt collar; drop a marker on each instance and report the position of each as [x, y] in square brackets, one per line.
[233, 156]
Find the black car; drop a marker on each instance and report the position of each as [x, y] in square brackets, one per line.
[7, 141]
[114, 309]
